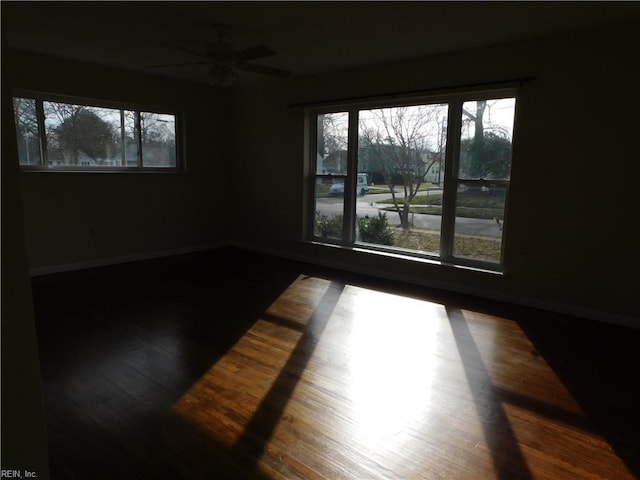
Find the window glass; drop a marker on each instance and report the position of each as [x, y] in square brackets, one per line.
[331, 144]
[329, 215]
[158, 139]
[485, 154]
[401, 153]
[131, 139]
[27, 130]
[479, 222]
[331, 170]
[82, 136]
[485, 140]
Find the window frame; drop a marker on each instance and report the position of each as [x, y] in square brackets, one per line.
[455, 100]
[138, 109]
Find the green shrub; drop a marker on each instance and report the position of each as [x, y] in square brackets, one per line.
[375, 229]
[328, 226]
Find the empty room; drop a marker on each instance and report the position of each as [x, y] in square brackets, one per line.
[320, 240]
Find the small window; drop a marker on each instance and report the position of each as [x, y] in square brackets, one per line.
[65, 135]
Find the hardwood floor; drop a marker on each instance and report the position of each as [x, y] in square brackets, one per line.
[234, 365]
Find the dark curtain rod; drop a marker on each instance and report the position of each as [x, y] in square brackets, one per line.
[396, 95]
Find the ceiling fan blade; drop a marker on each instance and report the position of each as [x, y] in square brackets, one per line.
[177, 64]
[192, 52]
[276, 72]
[255, 52]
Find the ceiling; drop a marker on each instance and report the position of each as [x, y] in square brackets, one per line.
[308, 37]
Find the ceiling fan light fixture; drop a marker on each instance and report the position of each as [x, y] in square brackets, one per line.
[222, 76]
[225, 61]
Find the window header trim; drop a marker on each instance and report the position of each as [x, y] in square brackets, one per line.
[93, 102]
[471, 88]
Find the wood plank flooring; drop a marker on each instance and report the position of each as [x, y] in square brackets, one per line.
[230, 364]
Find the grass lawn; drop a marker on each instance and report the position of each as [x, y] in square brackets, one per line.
[470, 205]
[467, 212]
[322, 190]
[399, 189]
[478, 248]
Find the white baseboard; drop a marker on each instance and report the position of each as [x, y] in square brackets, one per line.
[578, 311]
[103, 262]
[523, 300]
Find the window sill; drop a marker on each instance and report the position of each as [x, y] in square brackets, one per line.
[409, 258]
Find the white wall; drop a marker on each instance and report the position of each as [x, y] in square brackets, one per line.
[569, 242]
[83, 219]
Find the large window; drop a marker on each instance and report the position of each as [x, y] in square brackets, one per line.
[427, 177]
[76, 135]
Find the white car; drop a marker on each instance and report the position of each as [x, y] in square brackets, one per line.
[362, 186]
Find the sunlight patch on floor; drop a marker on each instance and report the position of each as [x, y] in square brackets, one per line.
[517, 354]
[225, 399]
[546, 430]
[367, 378]
[391, 365]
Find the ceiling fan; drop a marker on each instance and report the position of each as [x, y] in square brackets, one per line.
[224, 60]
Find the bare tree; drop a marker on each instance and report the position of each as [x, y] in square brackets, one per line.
[477, 118]
[402, 143]
[25, 113]
[26, 120]
[156, 133]
[332, 133]
[332, 142]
